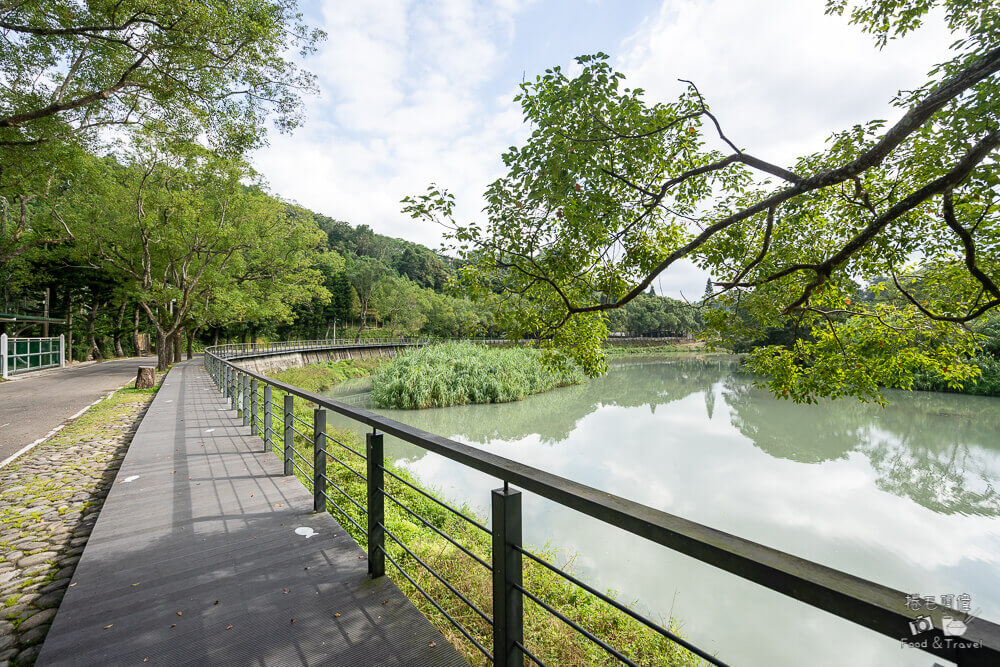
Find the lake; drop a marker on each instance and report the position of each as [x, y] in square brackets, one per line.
[907, 496]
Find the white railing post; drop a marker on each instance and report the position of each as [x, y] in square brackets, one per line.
[3, 358]
[62, 350]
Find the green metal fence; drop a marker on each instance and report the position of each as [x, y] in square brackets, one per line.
[19, 355]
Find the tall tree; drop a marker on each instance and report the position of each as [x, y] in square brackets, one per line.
[364, 273]
[190, 234]
[210, 68]
[610, 191]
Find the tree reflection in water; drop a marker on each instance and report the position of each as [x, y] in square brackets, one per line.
[940, 450]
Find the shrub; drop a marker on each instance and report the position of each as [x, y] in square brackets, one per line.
[463, 373]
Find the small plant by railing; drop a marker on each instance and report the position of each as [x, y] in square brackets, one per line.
[359, 482]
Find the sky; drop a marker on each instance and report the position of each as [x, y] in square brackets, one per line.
[414, 92]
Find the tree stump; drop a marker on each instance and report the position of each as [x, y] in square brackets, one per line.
[145, 378]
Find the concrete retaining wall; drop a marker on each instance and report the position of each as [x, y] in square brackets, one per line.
[283, 361]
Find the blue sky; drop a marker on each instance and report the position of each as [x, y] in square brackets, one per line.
[414, 92]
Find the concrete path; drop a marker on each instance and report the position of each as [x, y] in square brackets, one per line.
[32, 405]
[194, 560]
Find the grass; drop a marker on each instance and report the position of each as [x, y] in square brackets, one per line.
[613, 351]
[322, 376]
[545, 635]
[462, 373]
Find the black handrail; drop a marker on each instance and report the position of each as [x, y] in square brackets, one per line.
[866, 603]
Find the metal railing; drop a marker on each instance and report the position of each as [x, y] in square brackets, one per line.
[879, 608]
[19, 355]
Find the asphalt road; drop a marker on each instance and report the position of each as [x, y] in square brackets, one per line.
[30, 407]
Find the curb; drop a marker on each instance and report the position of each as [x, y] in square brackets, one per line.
[27, 448]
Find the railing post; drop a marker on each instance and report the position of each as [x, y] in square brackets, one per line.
[376, 506]
[289, 433]
[236, 391]
[319, 460]
[62, 350]
[253, 406]
[246, 400]
[268, 409]
[3, 359]
[507, 603]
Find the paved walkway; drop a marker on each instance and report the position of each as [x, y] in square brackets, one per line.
[194, 560]
[31, 406]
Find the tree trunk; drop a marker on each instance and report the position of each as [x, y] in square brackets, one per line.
[95, 351]
[145, 378]
[178, 345]
[215, 335]
[190, 343]
[69, 326]
[119, 352]
[135, 333]
[364, 321]
[163, 351]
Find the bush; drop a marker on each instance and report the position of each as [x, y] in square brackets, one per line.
[463, 373]
[987, 385]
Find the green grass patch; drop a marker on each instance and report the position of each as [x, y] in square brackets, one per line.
[322, 376]
[614, 351]
[462, 373]
[545, 635]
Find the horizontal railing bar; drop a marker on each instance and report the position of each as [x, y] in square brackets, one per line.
[438, 577]
[350, 449]
[439, 607]
[342, 511]
[360, 476]
[583, 631]
[439, 532]
[307, 438]
[530, 654]
[620, 607]
[299, 468]
[295, 453]
[301, 420]
[447, 507]
[346, 494]
[872, 605]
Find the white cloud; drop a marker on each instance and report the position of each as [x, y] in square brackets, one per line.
[780, 75]
[406, 100]
[414, 92]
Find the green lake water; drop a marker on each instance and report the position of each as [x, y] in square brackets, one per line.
[907, 495]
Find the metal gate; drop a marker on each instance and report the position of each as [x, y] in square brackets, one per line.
[19, 355]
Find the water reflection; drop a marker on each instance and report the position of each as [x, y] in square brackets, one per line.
[932, 448]
[905, 495]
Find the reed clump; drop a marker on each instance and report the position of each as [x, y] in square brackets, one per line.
[464, 373]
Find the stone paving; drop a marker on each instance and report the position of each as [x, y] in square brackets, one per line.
[49, 501]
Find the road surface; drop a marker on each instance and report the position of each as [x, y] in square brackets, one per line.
[30, 407]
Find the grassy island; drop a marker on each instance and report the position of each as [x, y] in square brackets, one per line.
[463, 373]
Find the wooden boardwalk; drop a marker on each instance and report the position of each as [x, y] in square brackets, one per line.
[194, 560]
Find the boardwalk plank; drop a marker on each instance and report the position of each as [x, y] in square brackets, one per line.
[208, 517]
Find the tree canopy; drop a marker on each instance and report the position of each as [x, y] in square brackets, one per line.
[611, 190]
